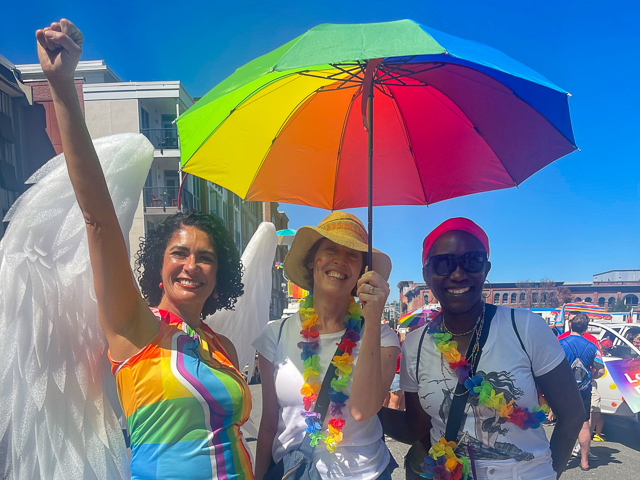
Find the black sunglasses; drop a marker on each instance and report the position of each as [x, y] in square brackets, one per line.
[470, 262]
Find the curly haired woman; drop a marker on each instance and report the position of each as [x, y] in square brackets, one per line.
[178, 381]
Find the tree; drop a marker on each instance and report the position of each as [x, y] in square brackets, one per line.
[620, 306]
[543, 293]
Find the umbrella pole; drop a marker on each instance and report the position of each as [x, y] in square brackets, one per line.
[370, 201]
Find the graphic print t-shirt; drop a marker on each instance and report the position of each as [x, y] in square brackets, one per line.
[506, 366]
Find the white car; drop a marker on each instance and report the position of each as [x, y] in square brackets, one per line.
[612, 402]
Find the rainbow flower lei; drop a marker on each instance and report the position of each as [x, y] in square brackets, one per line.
[442, 463]
[344, 367]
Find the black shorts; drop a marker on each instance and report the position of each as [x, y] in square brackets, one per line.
[586, 401]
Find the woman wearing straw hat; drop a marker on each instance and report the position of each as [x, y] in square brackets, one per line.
[334, 424]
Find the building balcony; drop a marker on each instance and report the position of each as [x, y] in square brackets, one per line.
[162, 138]
[164, 200]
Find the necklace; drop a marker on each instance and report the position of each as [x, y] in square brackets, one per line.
[441, 462]
[444, 326]
[344, 367]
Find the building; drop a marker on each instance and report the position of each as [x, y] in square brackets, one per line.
[391, 313]
[24, 143]
[614, 290]
[112, 106]
[412, 296]
[279, 287]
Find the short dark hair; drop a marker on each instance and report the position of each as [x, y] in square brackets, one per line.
[150, 257]
[579, 323]
[310, 257]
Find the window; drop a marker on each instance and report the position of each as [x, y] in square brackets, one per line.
[144, 119]
[534, 297]
[588, 299]
[496, 299]
[544, 297]
[5, 104]
[631, 300]
[505, 298]
[514, 297]
[577, 299]
[523, 297]
[611, 302]
[601, 301]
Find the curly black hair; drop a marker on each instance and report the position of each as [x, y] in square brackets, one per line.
[150, 258]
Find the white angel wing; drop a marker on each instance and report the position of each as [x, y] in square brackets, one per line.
[251, 314]
[56, 421]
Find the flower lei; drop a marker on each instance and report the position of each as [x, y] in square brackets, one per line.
[344, 367]
[442, 463]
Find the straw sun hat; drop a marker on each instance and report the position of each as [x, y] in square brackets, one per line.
[339, 227]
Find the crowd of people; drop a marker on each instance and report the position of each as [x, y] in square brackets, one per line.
[469, 390]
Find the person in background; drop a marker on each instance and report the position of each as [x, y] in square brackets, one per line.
[597, 419]
[576, 346]
[636, 340]
[395, 397]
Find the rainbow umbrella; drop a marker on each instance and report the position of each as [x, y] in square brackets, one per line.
[452, 117]
[417, 318]
[591, 309]
[285, 237]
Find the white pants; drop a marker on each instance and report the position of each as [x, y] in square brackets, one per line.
[540, 468]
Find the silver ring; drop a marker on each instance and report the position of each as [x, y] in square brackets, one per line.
[371, 289]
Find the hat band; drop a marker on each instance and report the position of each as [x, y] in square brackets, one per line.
[349, 227]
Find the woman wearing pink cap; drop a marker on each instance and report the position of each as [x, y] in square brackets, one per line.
[474, 376]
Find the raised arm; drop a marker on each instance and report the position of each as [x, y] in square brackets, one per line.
[126, 320]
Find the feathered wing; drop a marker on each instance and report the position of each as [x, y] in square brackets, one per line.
[56, 420]
[251, 314]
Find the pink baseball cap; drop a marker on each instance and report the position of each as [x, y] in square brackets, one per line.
[458, 223]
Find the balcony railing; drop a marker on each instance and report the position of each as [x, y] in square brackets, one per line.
[167, 197]
[162, 138]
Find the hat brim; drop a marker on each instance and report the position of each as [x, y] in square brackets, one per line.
[306, 237]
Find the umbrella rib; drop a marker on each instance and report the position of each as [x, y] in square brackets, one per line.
[344, 129]
[408, 138]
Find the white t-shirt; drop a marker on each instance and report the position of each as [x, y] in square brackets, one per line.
[361, 455]
[508, 368]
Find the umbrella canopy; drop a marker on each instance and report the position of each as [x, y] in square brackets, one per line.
[591, 309]
[417, 318]
[285, 237]
[452, 117]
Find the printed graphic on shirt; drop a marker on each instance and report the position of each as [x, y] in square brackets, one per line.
[488, 425]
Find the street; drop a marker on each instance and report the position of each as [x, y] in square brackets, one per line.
[619, 457]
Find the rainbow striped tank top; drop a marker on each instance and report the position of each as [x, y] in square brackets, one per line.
[184, 402]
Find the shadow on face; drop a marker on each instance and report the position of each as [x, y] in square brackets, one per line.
[336, 268]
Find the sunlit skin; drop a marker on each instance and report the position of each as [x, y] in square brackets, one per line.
[189, 271]
[462, 308]
[336, 269]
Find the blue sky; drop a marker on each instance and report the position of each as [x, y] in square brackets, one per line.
[576, 217]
